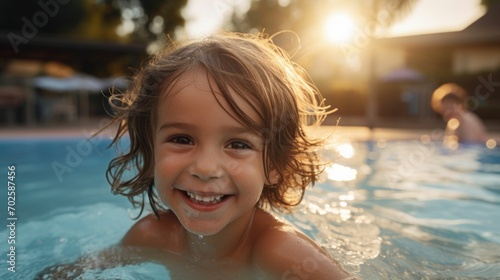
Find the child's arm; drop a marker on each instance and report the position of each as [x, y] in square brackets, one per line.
[284, 253]
[471, 129]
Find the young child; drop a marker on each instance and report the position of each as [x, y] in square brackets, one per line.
[462, 125]
[219, 135]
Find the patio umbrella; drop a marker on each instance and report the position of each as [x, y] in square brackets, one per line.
[402, 75]
[79, 84]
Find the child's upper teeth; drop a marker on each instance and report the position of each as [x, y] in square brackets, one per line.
[205, 198]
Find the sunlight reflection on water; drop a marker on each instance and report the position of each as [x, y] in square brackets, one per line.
[414, 209]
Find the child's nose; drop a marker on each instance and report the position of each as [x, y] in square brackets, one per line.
[207, 164]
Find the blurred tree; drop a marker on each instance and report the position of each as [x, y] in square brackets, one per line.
[50, 18]
[110, 20]
[306, 18]
[132, 20]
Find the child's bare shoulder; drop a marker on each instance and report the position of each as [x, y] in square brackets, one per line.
[280, 250]
[150, 231]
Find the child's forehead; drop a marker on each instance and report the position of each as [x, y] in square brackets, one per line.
[196, 77]
[198, 80]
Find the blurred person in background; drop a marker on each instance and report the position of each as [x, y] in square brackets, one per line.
[462, 126]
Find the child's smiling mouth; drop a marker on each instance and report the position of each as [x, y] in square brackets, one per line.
[205, 198]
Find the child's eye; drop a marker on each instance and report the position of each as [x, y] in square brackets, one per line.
[239, 145]
[182, 140]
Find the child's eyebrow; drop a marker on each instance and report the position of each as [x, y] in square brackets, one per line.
[182, 125]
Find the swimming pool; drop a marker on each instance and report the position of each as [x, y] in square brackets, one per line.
[387, 209]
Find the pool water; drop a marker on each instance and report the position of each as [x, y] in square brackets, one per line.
[385, 209]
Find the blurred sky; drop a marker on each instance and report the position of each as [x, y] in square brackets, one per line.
[428, 16]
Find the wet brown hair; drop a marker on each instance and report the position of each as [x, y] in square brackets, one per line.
[260, 73]
[448, 91]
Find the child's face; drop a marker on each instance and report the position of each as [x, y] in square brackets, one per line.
[208, 166]
[450, 109]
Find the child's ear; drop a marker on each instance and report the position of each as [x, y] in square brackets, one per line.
[273, 177]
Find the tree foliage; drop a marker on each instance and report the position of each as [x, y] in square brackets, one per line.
[110, 20]
[60, 18]
[307, 17]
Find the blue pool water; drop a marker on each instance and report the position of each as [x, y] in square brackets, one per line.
[386, 209]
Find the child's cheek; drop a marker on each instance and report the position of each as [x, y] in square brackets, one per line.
[233, 167]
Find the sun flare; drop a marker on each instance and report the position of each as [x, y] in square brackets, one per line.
[339, 28]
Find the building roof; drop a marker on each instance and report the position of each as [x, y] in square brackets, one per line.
[484, 31]
[488, 22]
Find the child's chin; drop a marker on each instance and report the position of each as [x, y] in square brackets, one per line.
[202, 230]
